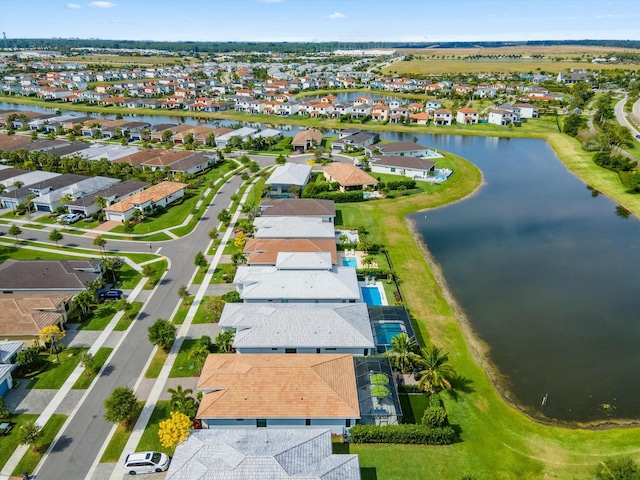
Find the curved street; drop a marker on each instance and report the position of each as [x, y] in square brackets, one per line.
[79, 444]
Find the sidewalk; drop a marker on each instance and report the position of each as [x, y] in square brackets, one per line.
[159, 387]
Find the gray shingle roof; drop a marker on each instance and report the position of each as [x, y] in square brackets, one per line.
[286, 325]
[261, 454]
[48, 275]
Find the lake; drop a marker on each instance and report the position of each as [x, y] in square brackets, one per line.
[547, 273]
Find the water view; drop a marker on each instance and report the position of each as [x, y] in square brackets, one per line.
[547, 273]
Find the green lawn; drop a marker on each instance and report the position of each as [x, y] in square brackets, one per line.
[221, 270]
[156, 364]
[413, 407]
[56, 374]
[199, 276]
[102, 314]
[255, 194]
[201, 315]
[183, 367]
[31, 459]
[183, 309]
[8, 251]
[126, 320]
[128, 277]
[100, 358]
[159, 268]
[150, 440]
[8, 443]
[119, 440]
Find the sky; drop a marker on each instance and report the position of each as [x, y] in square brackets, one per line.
[323, 20]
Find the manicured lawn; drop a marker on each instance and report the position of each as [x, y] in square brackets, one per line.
[183, 309]
[183, 367]
[150, 440]
[100, 358]
[8, 443]
[102, 314]
[56, 374]
[31, 459]
[126, 320]
[413, 407]
[230, 248]
[119, 440]
[8, 251]
[199, 277]
[128, 277]
[156, 364]
[159, 268]
[255, 194]
[47, 220]
[201, 315]
[221, 270]
[175, 215]
[389, 290]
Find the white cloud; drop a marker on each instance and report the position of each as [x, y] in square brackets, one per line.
[73, 6]
[336, 15]
[102, 4]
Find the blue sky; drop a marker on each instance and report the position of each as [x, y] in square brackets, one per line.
[322, 20]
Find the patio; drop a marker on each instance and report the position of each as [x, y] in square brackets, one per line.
[377, 392]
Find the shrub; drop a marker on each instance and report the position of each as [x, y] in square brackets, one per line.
[162, 333]
[342, 197]
[402, 434]
[29, 359]
[231, 297]
[435, 417]
[407, 183]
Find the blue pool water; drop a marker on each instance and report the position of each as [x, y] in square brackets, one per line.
[349, 262]
[384, 332]
[371, 296]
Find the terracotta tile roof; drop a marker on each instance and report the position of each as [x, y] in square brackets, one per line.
[139, 157]
[279, 386]
[154, 193]
[26, 315]
[349, 175]
[305, 136]
[265, 251]
[168, 157]
[468, 110]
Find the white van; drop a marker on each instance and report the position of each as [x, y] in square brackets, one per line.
[146, 462]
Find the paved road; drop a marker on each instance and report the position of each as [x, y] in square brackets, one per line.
[80, 442]
[621, 117]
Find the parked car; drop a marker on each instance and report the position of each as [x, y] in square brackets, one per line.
[638, 137]
[112, 294]
[74, 217]
[146, 462]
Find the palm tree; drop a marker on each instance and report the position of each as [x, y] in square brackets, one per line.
[83, 301]
[403, 352]
[182, 402]
[199, 355]
[435, 372]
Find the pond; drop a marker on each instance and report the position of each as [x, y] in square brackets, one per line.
[546, 271]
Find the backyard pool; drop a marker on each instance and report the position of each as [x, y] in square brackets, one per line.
[349, 262]
[384, 332]
[371, 296]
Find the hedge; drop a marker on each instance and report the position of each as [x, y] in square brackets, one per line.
[402, 434]
[375, 272]
[341, 197]
[408, 183]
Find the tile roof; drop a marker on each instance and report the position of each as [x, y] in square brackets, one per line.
[290, 174]
[261, 454]
[394, 147]
[301, 325]
[265, 251]
[278, 386]
[154, 193]
[293, 227]
[26, 315]
[304, 261]
[302, 138]
[348, 175]
[298, 207]
[403, 161]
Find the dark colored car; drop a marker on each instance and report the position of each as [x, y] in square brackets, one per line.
[111, 295]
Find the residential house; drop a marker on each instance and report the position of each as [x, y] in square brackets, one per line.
[8, 352]
[298, 277]
[242, 133]
[306, 140]
[433, 105]
[402, 165]
[292, 227]
[399, 148]
[49, 202]
[299, 328]
[380, 113]
[467, 116]
[55, 277]
[265, 251]
[13, 197]
[421, 118]
[161, 195]
[87, 205]
[355, 141]
[280, 454]
[501, 117]
[289, 176]
[442, 116]
[302, 207]
[349, 177]
[276, 391]
[574, 76]
[22, 317]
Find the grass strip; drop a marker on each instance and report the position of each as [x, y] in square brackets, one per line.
[119, 439]
[99, 358]
[32, 458]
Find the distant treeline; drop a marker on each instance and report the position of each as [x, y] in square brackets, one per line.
[65, 45]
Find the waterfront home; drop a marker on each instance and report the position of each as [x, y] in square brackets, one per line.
[299, 328]
[349, 177]
[265, 251]
[302, 207]
[292, 227]
[398, 148]
[305, 140]
[442, 116]
[283, 453]
[501, 117]
[279, 391]
[242, 133]
[355, 141]
[467, 116]
[403, 165]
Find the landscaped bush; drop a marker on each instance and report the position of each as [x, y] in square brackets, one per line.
[377, 273]
[402, 434]
[231, 297]
[617, 163]
[407, 183]
[342, 197]
[409, 388]
[435, 417]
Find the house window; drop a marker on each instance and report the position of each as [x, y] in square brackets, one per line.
[307, 422]
[347, 423]
[317, 350]
[261, 423]
[284, 300]
[393, 169]
[290, 350]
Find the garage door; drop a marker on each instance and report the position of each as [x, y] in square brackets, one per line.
[4, 387]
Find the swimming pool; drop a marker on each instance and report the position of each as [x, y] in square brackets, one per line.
[349, 262]
[384, 332]
[371, 296]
